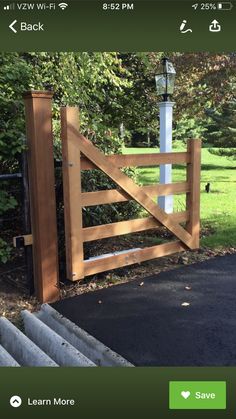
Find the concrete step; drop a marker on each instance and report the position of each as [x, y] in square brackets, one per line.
[21, 348]
[88, 345]
[6, 359]
[51, 340]
[53, 344]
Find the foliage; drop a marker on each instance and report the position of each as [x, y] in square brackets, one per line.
[228, 152]
[140, 105]
[5, 251]
[188, 127]
[221, 129]
[7, 202]
[95, 82]
[14, 80]
[202, 82]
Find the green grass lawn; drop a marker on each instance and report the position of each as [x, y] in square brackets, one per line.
[218, 208]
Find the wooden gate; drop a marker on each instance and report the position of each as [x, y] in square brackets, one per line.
[80, 154]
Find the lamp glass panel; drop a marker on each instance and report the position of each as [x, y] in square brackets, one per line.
[170, 68]
[161, 84]
[170, 83]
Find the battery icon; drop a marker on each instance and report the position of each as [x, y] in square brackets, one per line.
[226, 5]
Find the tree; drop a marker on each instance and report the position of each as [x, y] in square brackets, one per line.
[14, 80]
[140, 104]
[201, 83]
[93, 81]
[222, 127]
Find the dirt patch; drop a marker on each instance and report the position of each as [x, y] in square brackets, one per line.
[13, 300]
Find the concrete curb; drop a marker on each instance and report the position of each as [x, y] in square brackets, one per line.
[25, 352]
[92, 348]
[51, 340]
[54, 345]
[6, 359]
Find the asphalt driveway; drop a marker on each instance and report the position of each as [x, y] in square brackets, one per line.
[183, 317]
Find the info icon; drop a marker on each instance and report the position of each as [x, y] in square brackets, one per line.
[15, 401]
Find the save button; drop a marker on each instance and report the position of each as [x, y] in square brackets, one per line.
[197, 395]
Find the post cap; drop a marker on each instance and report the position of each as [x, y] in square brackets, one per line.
[166, 104]
[43, 94]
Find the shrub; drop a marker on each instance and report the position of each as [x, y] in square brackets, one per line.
[96, 82]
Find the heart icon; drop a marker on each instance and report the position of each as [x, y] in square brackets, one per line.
[185, 394]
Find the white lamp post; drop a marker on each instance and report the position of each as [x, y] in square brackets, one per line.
[165, 87]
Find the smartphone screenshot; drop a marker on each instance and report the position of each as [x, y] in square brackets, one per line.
[118, 209]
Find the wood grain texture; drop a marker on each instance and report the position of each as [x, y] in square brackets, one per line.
[193, 196]
[72, 193]
[42, 194]
[126, 227]
[132, 160]
[28, 239]
[125, 259]
[114, 195]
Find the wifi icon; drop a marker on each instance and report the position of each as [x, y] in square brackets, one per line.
[63, 6]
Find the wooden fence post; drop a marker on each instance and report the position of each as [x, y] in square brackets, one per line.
[42, 194]
[72, 193]
[193, 196]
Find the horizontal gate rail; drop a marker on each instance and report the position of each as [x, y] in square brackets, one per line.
[129, 258]
[126, 227]
[132, 160]
[114, 195]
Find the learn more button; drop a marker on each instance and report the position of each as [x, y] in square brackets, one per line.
[197, 395]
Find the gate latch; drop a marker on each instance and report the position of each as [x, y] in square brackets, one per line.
[22, 241]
